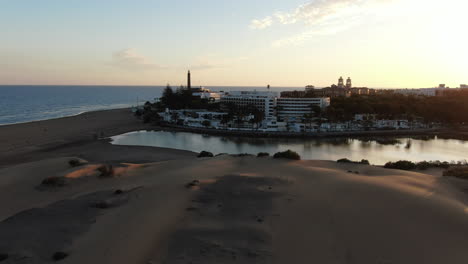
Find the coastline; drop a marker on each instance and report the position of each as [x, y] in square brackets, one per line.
[72, 115]
[374, 133]
[81, 135]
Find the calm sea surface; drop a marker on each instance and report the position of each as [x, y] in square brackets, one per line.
[318, 149]
[20, 104]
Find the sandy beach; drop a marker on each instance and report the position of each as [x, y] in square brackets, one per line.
[167, 206]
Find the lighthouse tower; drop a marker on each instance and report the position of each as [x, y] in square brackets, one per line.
[189, 81]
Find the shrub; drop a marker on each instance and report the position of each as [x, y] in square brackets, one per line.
[458, 172]
[205, 154]
[59, 256]
[344, 161]
[288, 154]
[75, 163]
[365, 162]
[423, 165]
[3, 256]
[54, 181]
[242, 155]
[401, 165]
[263, 154]
[106, 171]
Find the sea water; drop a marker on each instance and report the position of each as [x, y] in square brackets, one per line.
[20, 104]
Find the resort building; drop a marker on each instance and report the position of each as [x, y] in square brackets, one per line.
[264, 101]
[295, 109]
[204, 93]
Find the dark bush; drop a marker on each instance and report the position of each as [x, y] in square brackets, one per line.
[106, 171]
[263, 154]
[3, 256]
[288, 154]
[344, 161]
[75, 163]
[458, 172]
[401, 165]
[59, 256]
[423, 165]
[242, 155]
[205, 154]
[365, 162]
[54, 181]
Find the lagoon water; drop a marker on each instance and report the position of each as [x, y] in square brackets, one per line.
[317, 149]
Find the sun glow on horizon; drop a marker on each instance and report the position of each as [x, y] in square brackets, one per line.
[379, 43]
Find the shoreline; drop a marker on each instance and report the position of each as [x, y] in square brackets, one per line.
[55, 118]
[79, 136]
[461, 134]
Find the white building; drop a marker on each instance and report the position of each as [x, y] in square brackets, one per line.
[204, 93]
[294, 109]
[422, 91]
[264, 101]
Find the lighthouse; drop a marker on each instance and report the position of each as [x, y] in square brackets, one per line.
[189, 81]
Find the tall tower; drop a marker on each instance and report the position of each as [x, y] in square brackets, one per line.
[349, 85]
[341, 82]
[189, 81]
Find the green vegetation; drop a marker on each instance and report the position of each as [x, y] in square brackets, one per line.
[54, 181]
[205, 154]
[242, 155]
[365, 162]
[263, 154]
[75, 163]
[423, 165]
[448, 109]
[288, 154]
[458, 172]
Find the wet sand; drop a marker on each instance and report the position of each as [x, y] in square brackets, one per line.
[80, 136]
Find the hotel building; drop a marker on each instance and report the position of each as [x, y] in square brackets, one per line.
[294, 109]
[264, 101]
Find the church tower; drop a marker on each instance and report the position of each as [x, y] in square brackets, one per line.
[189, 81]
[348, 83]
[341, 82]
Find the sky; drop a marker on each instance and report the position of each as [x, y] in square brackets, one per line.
[378, 43]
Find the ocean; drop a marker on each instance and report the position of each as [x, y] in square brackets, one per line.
[19, 104]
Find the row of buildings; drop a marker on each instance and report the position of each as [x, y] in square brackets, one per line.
[291, 111]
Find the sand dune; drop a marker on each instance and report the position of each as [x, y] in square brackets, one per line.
[244, 210]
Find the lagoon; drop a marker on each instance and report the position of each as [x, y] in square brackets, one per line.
[377, 151]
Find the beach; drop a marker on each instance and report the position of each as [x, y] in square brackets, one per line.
[168, 206]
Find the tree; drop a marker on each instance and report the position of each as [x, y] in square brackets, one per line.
[206, 123]
[168, 97]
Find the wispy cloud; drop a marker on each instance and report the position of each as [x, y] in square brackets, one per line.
[130, 59]
[261, 23]
[321, 17]
[212, 61]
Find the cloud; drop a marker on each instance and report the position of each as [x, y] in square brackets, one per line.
[321, 17]
[130, 59]
[261, 23]
[323, 29]
[212, 61]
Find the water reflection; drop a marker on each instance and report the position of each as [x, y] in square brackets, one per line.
[376, 150]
